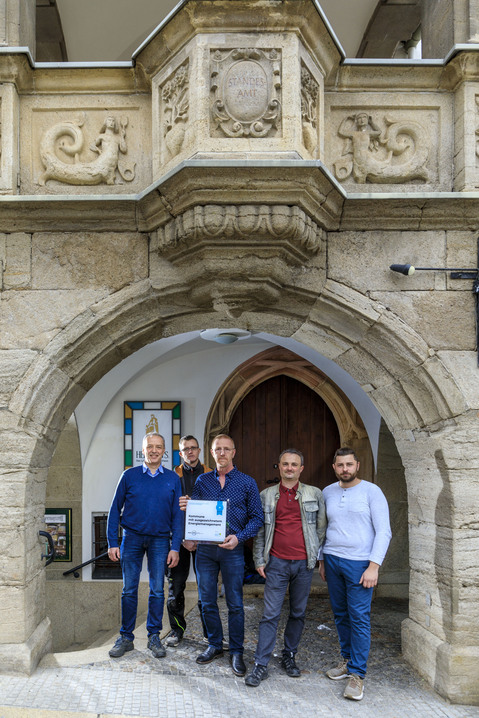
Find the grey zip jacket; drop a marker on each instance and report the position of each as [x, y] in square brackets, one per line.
[313, 518]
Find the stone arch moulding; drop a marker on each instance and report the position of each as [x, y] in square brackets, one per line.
[273, 362]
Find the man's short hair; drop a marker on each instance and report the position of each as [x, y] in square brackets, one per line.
[152, 433]
[345, 451]
[222, 436]
[188, 437]
[292, 451]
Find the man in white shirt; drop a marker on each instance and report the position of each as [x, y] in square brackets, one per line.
[357, 538]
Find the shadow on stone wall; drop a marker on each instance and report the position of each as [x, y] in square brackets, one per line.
[390, 477]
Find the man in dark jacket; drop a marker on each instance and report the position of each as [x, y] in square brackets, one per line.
[188, 471]
[146, 505]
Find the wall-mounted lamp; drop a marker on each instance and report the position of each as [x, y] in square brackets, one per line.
[455, 273]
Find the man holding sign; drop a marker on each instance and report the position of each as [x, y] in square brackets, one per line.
[244, 518]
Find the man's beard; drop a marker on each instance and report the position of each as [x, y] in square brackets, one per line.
[348, 479]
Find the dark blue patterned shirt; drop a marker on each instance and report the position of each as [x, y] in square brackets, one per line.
[244, 516]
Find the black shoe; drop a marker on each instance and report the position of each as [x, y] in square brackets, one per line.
[237, 664]
[289, 665]
[156, 646]
[122, 646]
[209, 655]
[258, 674]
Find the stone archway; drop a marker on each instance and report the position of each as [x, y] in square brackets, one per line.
[277, 361]
[383, 346]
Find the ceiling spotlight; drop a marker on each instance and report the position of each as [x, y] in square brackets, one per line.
[224, 336]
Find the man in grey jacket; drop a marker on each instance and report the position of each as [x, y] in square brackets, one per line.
[285, 552]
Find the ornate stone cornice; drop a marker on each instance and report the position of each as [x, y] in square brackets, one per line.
[285, 230]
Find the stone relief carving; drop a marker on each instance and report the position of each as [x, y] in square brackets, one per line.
[397, 153]
[477, 130]
[109, 145]
[247, 92]
[261, 222]
[309, 109]
[174, 109]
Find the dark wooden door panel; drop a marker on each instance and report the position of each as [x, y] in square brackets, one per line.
[283, 413]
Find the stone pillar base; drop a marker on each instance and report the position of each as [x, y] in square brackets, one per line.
[451, 670]
[24, 657]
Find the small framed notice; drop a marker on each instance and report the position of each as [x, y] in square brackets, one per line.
[205, 521]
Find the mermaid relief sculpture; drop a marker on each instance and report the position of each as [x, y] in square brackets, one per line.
[396, 154]
[109, 146]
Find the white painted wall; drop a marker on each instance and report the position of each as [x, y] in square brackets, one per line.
[184, 368]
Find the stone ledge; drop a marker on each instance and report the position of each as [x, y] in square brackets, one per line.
[24, 657]
[450, 669]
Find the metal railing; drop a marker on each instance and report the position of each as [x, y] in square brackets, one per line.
[50, 556]
[76, 569]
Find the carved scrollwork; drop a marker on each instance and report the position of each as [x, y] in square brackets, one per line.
[273, 224]
[175, 107]
[108, 145]
[396, 153]
[246, 87]
[309, 109]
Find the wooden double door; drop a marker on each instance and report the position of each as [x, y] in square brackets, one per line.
[278, 414]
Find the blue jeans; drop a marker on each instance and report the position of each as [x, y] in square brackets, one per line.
[281, 573]
[133, 547]
[351, 604]
[210, 560]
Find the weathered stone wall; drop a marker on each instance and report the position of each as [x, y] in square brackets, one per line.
[394, 577]
[137, 184]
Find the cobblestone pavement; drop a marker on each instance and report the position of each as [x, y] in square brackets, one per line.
[176, 686]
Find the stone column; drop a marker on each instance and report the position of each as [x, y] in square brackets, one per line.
[445, 23]
[25, 634]
[17, 24]
[440, 637]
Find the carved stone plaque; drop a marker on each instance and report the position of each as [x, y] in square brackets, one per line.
[246, 84]
[246, 91]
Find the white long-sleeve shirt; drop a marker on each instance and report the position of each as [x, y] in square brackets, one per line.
[358, 522]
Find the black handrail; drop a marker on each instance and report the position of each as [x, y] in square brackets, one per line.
[50, 556]
[74, 570]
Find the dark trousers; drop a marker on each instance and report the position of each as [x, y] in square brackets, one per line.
[281, 574]
[175, 604]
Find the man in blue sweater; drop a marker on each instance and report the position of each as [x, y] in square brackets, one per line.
[146, 503]
[357, 538]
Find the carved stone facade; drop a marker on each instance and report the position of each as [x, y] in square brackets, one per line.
[246, 88]
[282, 209]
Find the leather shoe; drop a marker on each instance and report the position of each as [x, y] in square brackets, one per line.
[289, 665]
[209, 655]
[237, 664]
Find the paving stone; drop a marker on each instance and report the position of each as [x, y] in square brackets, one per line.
[177, 687]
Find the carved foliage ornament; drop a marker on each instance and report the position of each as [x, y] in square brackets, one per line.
[394, 153]
[477, 130]
[246, 89]
[61, 145]
[309, 109]
[174, 108]
[248, 222]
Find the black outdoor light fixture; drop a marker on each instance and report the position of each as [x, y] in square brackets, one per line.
[455, 273]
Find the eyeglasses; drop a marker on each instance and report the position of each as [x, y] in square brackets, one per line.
[189, 448]
[222, 450]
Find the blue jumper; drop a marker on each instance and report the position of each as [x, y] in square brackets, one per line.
[147, 505]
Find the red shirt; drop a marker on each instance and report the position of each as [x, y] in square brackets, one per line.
[288, 539]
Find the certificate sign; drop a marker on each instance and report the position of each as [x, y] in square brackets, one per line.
[205, 521]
